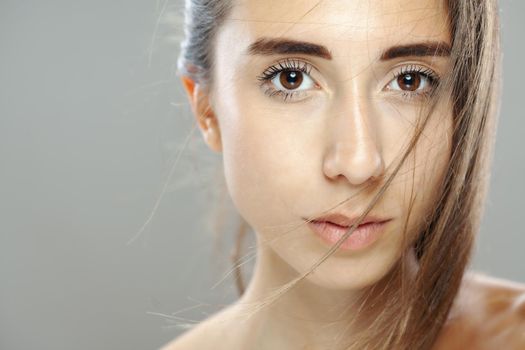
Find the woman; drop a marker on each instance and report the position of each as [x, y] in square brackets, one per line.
[356, 138]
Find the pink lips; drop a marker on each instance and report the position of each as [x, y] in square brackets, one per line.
[332, 227]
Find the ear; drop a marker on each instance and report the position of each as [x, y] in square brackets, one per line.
[201, 108]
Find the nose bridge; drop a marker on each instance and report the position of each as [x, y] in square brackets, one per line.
[354, 149]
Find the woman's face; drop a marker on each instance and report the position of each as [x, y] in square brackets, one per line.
[316, 101]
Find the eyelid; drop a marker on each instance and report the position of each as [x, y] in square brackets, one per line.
[413, 67]
[295, 63]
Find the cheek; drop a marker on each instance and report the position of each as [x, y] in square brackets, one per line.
[418, 183]
[432, 154]
[265, 165]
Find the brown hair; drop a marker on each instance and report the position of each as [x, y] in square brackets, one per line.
[411, 318]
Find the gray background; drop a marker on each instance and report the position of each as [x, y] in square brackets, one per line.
[91, 121]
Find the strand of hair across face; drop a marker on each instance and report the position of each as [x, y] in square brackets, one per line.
[270, 299]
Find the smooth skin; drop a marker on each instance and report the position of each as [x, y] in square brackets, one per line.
[292, 152]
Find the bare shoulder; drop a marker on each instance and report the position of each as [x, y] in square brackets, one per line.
[209, 334]
[191, 339]
[489, 314]
[496, 296]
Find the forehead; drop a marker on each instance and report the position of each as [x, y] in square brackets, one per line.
[342, 25]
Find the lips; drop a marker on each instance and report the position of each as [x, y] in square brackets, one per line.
[345, 221]
[331, 228]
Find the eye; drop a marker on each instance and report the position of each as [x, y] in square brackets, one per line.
[411, 82]
[292, 80]
[289, 80]
[414, 80]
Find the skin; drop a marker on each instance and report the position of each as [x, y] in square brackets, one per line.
[329, 148]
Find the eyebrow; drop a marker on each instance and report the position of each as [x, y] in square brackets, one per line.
[418, 50]
[268, 46]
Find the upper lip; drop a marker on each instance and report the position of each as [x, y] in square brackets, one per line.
[345, 221]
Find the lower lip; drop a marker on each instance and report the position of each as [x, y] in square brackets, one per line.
[362, 237]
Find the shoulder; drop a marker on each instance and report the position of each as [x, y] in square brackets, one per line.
[488, 313]
[211, 333]
[495, 297]
[197, 337]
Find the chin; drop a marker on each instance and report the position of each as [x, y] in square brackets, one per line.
[351, 272]
[335, 278]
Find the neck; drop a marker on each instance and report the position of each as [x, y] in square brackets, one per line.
[305, 317]
[305, 314]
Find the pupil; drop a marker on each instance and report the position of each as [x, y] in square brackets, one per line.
[291, 79]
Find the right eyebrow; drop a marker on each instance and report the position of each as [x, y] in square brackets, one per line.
[269, 46]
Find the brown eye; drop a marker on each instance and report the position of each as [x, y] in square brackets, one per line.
[414, 81]
[291, 79]
[409, 81]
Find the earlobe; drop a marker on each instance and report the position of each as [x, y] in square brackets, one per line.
[211, 132]
[203, 113]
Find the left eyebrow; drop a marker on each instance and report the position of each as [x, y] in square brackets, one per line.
[418, 50]
[269, 46]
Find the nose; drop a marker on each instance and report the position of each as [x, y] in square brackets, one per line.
[352, 151]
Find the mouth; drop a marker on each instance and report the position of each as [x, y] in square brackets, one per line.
[332, 227]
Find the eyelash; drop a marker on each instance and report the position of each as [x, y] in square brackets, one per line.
[286, 65]
[433, 80]
[290, 64]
